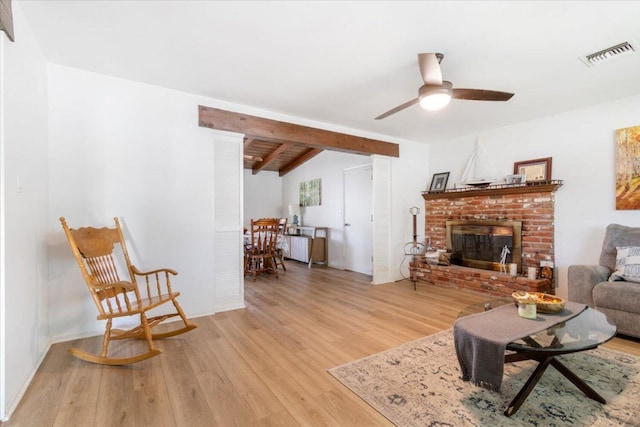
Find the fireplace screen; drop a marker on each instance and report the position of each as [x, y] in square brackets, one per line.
[480, 244]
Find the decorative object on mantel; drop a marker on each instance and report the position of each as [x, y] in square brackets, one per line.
[495, 189]
[479, 171]
[536, 170]
[627, 161]
[439, 182]
[517, 179]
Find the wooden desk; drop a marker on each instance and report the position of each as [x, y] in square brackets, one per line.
[306, 245]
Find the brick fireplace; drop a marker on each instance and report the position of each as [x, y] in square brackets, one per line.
[532, 204]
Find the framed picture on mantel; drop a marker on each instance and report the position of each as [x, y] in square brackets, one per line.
[439, 182]
[535, 170]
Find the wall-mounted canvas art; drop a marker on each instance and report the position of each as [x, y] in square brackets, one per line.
[628, 168]
[311, 193]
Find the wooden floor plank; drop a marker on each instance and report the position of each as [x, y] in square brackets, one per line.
[265, 365]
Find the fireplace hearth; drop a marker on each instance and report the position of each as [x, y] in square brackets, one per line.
[481, 244]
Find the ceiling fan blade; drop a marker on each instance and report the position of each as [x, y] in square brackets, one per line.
[481, 95]
[398, 108]
[430, 68]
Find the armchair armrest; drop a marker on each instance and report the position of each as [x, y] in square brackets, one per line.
[582, 279]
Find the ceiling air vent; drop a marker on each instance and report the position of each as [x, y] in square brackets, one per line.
[610, 53]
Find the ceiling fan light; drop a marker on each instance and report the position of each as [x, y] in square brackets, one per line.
[435, 101]
[434, 98]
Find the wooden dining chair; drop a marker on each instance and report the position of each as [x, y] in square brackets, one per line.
[260, 251]
[281, 243]
[118, 294]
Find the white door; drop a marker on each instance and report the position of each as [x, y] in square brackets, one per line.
[358, 220]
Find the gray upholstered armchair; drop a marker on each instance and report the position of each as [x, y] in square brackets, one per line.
[619, 300]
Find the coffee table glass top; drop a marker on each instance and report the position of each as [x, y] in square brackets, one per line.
[587, 330]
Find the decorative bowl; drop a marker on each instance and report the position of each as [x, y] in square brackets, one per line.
[545, 303]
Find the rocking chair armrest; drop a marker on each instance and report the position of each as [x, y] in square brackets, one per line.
[137, 272]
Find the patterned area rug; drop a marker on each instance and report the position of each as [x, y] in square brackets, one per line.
[418, 384]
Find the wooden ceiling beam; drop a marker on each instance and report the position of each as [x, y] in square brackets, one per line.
[248, 142]
[282, 132]
[271, 157]
[299, 160]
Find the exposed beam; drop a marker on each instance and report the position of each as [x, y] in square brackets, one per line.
[248, 142]
[282, 132]
[271, 157]
[299, 160]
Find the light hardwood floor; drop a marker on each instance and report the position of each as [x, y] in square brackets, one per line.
[265, 365]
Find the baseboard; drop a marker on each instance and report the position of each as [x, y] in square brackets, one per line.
[13, 404]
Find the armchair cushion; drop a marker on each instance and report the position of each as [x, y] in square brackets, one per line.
[617, 235]
[627, 264]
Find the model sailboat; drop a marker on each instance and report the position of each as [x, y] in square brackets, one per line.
[479, 171]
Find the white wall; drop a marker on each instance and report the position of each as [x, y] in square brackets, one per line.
[24, 334]
[582, 144]
[409, 174]
[120, 148]
[328, 167]
[263, 196]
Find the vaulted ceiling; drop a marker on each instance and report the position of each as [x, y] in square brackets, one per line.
[341, 64]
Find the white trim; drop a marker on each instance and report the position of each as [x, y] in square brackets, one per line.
[3, 391]
[381, 219]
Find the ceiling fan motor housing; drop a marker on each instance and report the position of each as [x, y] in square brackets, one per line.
[427, 90]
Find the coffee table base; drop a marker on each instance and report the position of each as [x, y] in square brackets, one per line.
[543, 363]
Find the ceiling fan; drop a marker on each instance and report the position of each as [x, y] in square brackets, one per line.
[436, 93]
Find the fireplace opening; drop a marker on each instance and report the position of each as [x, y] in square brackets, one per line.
[480, 244]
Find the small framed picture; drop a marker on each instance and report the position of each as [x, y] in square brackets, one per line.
[439, 182]
[516, 179]
[535, 170]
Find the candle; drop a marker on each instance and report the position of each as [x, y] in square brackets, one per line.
[527, 310]
[513, 269]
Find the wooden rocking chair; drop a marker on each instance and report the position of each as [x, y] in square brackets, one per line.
[94, 250]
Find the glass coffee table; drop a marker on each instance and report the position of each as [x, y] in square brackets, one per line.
[586, 331]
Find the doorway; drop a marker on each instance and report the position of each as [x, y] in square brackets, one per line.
[358, 219]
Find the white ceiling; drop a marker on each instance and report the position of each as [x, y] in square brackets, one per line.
[345, 63]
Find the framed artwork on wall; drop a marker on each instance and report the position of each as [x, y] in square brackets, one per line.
[311, 193]
[536, 170]
[627, 168]
[439, 182]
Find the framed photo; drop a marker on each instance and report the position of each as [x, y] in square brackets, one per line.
[439, 182]
[535, 170]
[516, 179]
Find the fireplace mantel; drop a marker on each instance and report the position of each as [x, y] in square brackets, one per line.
[495, 190]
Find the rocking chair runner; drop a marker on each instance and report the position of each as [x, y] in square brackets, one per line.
[94, 250]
